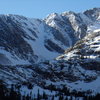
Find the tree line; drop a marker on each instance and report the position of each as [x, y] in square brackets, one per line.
[64, 94]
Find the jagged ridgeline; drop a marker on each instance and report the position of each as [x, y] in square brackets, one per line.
[55, 58]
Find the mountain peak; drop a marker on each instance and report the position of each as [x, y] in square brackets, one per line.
[94, 14]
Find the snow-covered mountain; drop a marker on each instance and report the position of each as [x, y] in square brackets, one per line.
[61, 51]
[26, 40]
[78, 69]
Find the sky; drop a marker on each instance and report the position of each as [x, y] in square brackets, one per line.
[41, 8]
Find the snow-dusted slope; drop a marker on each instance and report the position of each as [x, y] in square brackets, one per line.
[88, 48]
[84, 58]
[25, 40]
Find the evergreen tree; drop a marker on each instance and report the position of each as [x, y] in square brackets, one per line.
[53, 97]
[38, 95]
[2, 91]
[61, 97]
[45, 96]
